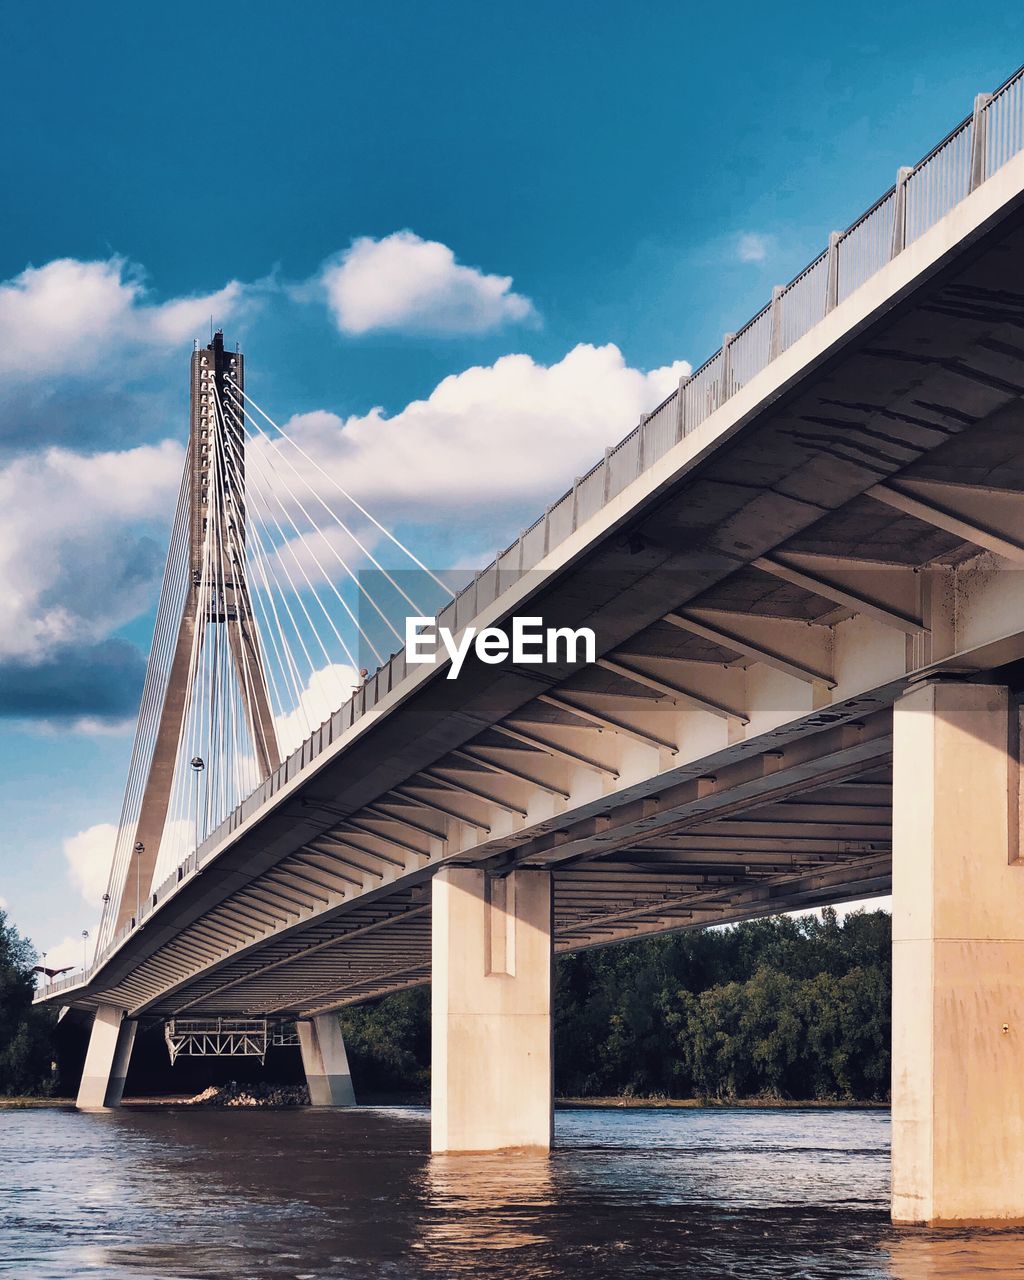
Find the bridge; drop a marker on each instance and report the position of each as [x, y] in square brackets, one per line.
[802, 573]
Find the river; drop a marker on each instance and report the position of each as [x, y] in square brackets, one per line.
[306, 1195]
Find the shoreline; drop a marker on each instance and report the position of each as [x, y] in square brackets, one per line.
[718, 1104]
[29, 1104]
[561, 1104]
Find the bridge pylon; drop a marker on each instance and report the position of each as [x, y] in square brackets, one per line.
[217, 595]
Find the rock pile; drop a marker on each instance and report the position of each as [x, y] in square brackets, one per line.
[233, 1094]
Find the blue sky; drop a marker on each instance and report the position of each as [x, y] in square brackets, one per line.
[537, 180]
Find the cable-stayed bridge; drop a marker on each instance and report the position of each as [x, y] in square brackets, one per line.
[257, 631]
[802, 572]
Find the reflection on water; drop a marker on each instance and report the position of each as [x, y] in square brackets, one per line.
[477, 1206]
[310, 1195]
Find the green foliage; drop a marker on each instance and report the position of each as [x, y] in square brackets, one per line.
[26, 1033]
[388, 1043]
[783, 1008]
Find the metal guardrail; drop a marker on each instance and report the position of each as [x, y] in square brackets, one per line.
[979, 146]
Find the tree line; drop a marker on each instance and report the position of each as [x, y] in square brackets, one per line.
[782, 1008]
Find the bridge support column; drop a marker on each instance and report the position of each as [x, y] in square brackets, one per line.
[325, 1062]
[958, 958]
[106, 1060]
[491, 1072]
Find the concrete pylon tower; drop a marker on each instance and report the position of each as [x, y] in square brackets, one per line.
[218, 594]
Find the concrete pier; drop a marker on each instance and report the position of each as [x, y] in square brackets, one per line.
[958, 958]
[492, 1083]
[325, 1062]
[106, 1060]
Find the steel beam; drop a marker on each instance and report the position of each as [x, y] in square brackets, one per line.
[485, 797]
[518, 734]
[799, 649]
[852, 584]
[492, 766]
[673, 690]
[603, 721]
[397, 796]
[987, 518]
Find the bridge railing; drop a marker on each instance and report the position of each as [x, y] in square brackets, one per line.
[940, 181]
[749, 351]
[991, 136]
[1004, 124]
[867, 246]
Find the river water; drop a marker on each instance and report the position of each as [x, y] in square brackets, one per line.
[306, 1195]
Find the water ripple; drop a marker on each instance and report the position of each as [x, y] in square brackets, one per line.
[171, 1194]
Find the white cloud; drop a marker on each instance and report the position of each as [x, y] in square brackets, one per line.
[506, 434]
[3, 903]
[324, 693]
[405, 283]
[81, 569]
[57, 319]
[312, 545]
[177, 841]
[752, 246]
[74, 337]
[94, 727]
[89, 855]
[69, 951]
[844, 909]
[882, 903]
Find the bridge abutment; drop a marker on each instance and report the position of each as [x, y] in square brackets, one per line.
[106, 1060]
[491, 1075]
[325, 1062]
[958, 958]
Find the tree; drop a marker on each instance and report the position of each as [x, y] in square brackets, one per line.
[388, 1042]
[26, 1032]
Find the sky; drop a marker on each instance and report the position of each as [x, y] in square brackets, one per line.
[475, 240]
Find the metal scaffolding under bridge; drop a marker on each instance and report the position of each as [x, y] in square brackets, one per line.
[802, 571]
[226, 1037]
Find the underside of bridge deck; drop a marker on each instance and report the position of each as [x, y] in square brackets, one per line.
[800, 845]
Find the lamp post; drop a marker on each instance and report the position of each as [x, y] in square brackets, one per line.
[140, 849]
[198, 765]
[85, 939]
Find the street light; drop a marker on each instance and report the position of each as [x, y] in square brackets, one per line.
[140, 849]
[85, 939]
[198, 765]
